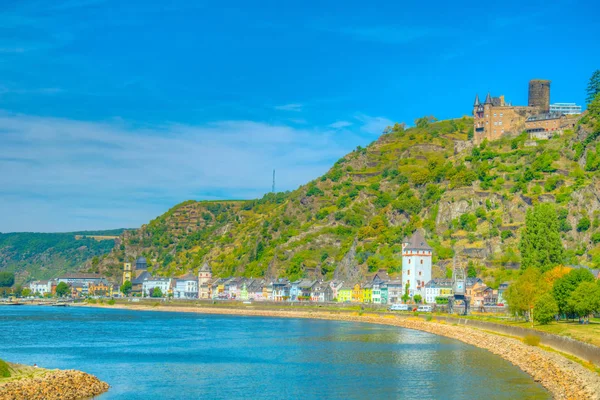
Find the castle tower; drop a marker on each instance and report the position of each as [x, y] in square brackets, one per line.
[205, 274]
[126, 272]
[416, 263]
[539, 94]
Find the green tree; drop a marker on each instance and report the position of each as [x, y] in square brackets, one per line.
[156, 292]
[585, 299]
[406, 296]
[593, 86]
[564, 287]
[471, 271]
[126, 288]
[26, 292]
[7, 279]
[62, 289]
[522, 295]
[540, 245]
[545, 309]
[583, 224]
[417, 298]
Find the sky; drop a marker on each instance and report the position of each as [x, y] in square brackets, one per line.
[112, 112]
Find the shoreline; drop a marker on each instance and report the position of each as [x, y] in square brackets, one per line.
[33, 383]
[562, 377]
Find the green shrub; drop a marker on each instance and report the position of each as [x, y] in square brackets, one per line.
[531, 340]
[111, 302]
[429, 317]
[416, 313]
[4, 370]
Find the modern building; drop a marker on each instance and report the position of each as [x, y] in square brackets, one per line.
[565, 108]
[416, 263]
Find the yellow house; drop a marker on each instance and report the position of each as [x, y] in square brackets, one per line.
[344, 294]
[357, 294]
[368, 293]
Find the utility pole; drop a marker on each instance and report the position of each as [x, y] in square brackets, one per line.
[273, 188]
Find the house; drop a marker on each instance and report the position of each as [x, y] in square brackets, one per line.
[217, 289]
[344, 294]
[437, 288]
[490, 296]
[254, 287]
[476, 293]
[395, 289]
[186, 287]
[281, 290]
[41, 288]
[268, 291]
[322, 293]
[149, 284]
[367, 289]
[335, 287]
[416, 263]
[102, 288]
[80, 278]
[380, 292]
[357, 293]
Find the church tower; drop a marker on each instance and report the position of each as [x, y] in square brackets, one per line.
[126, 272]
[416, 263]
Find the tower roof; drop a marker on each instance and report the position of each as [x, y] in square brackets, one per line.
[417, 241]
[476, 100]
[488, 99]
[205, 268]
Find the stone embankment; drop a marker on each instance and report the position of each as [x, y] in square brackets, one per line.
[564, 378]
[53, 385]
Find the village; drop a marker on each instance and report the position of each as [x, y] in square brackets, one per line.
[415, 285]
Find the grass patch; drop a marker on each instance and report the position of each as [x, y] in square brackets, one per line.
[4, 370]
[531, 340]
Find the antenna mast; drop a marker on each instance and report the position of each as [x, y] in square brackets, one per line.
[273, 189]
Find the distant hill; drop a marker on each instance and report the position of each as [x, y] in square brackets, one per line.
[350, 222]
[47, 255]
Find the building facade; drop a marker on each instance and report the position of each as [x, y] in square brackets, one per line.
[416, 264]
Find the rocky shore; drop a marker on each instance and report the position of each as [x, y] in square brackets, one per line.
[562, 377]
[53, 385]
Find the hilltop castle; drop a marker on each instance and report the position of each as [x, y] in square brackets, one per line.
[495, 118]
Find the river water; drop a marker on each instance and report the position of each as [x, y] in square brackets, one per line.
[163, 355]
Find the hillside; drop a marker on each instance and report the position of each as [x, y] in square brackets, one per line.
[350, 222]
[47, 255]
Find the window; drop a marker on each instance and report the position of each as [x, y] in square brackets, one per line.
[408, 272]
[421, 261]
[409, 260]
[494, 114]
[501, 114]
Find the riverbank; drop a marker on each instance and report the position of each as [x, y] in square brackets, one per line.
[31, 383]
[562, 377]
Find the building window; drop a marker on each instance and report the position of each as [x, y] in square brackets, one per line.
[409, 260]
[494, 114]
[421, 261]
[408, 272]
[501, 114]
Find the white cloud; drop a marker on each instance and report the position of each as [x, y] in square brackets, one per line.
[340, 124]
[60, 174]
[290, 107]
[373, 125]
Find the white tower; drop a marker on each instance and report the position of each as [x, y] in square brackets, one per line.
[416, 263]
[205, 274]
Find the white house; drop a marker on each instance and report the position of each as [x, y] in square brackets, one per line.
[437, 288]
[40, 287]
[164, 284]
[186, 287]
[416, 263]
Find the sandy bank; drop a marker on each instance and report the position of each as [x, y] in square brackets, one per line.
[564, 379]
[41, 384]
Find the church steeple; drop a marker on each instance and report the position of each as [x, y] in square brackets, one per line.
[488, 99]
[476, 100]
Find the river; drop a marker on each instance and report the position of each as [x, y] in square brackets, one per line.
[166, 355]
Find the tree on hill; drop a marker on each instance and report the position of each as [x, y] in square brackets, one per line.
[545, 309]
[471, 271]
[62, 289]
[593, 87]
[126, 288]
[585, 299]
[564, 287]
[540, 245]
[7, 279]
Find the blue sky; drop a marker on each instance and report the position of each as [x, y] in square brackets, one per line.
[111, 113]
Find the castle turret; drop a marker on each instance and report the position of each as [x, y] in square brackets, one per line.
[476, 100]
[488, 99]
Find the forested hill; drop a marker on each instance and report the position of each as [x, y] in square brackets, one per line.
[350, 222]
[47, 255]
